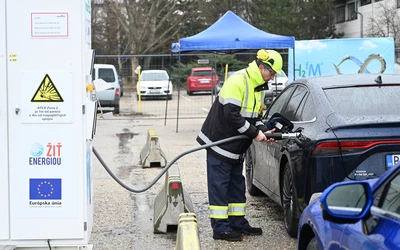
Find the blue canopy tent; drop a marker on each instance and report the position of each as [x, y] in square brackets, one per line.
[231, 34]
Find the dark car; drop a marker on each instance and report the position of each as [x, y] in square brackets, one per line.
[201, 79]
[354, 215]
[350, 130]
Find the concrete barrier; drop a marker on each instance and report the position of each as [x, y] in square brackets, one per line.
[170, 202]
[151, 154]
[187, 237]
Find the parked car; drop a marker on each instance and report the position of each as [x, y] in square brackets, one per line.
[350, 130]
[155, 83]
[201, 79]
[109, 97]
[354, 215]
[275, 87]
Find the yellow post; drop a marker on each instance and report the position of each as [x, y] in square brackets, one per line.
[138, 89]
[226, 72]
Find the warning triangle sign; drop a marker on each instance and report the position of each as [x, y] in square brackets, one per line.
[47, 92]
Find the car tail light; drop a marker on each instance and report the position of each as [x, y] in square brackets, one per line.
[117, 92]
[347, 147]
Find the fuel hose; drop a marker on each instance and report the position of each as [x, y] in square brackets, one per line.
[276, 136]
[140, 190]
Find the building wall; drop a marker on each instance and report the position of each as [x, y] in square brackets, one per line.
[352, 28]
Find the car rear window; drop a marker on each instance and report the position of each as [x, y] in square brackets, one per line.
[365, 100]
[204, 73]
[160, 76]
[107, 75]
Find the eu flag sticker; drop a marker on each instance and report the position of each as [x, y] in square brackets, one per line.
[45, 189]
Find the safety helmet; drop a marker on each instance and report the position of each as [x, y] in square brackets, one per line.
[272, 58]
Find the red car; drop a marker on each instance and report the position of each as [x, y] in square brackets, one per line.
[201, 79]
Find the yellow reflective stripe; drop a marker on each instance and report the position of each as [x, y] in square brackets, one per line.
[219, 212]
[215, 216]
[237, 209]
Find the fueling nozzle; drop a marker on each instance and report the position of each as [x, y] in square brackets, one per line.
[279, 136]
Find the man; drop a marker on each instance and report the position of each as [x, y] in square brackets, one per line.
[236, 111]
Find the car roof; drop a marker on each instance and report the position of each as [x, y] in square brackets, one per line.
[154, 71]
[347, 80]
[323, 106]
[96, 65]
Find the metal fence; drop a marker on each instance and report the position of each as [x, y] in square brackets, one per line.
[178, 66]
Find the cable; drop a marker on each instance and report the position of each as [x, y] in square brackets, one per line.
[166, 167]
[48, 242]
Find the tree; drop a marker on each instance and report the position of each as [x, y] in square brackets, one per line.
[148, 25]
[312, 19]
[385, 23]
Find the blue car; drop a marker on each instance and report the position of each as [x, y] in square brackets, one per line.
[354, 215]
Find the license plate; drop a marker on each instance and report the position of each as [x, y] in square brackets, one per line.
[392, 160]
[204, 81]
[154, 92]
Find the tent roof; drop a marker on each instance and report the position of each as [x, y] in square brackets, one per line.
[231, 33]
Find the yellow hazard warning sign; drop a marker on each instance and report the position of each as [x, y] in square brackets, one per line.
[47, 92]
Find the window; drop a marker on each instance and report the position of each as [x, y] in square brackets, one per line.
[107, 75]
[280, 102]
[398, 3]
[204, 73]
[306, 110]
[351, 11]
[154, 76]
[340, 14]
[387, 197]
[365, 2]
[365, 100]
[295, 100]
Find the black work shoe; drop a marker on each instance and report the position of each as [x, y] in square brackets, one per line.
[251, 231]
[229, 236]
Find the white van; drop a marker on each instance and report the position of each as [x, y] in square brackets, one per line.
[109, 97]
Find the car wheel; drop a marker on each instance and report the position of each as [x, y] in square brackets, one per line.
[189, 92]
[170, 97]
[288, 203]
[253, 190]
[313, 244]
[116, 109]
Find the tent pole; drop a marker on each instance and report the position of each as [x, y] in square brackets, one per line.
[214, 78]
[166, 104]
[179, 89]
[294, 63]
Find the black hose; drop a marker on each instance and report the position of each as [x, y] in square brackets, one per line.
[168, 165]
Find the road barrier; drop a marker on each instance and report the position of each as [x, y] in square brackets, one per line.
[151, 154]
[171, 201]
[187, 237]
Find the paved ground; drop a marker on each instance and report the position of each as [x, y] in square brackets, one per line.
[124, 220]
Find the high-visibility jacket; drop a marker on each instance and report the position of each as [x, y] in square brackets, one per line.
[237, 110]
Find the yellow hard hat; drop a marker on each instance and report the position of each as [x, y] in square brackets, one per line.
[271, 58]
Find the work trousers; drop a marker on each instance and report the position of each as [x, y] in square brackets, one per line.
[226, 195]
